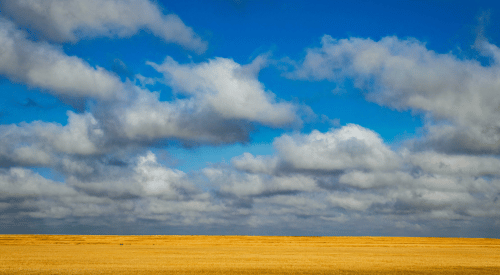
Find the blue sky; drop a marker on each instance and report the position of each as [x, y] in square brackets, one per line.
[250, 117]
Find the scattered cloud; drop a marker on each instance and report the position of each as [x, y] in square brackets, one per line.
[229, 89]
[351, 146]
[256, 164]
[73, 20]
[144, 118]
[404, 74]
[42, 143]
[45, 66]
[105, 155]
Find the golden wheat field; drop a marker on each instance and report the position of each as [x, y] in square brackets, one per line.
[83, 254]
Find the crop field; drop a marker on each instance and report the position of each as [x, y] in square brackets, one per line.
[83, 254]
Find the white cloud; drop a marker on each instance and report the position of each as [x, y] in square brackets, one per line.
[148, 190]
[296, 202]
[81, 136]
[72, 167]
[71, 20]
[244, 184]
[145, 178]
[259, 164]
[420, 195]
[369, 180]
[365, 180]
[229, 89]
[404, 74]
[193, 212]
[20, 182]
[350, 147]
[41, 143]
[31, 155]
[224, 100]
[464, 165]
[471, 139]
[159, 180]
[44, 66]
[145, 118]
[346, 174]
[355, 201]
[144, 81]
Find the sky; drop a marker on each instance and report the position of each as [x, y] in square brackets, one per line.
[241, 117]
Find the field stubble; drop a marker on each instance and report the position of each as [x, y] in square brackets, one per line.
[84, 254]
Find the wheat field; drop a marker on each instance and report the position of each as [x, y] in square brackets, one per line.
[85, 254]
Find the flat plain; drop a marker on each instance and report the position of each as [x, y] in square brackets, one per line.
[86, 254]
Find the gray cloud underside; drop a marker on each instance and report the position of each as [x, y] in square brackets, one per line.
[427, 193]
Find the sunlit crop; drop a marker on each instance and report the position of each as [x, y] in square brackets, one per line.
[82, 254]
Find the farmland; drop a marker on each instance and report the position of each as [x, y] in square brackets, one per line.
[85, 254]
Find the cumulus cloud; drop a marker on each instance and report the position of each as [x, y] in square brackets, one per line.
[224, 101]
[62, 20]
[71, 166]
[145, 178]
[391, 195]
[350, 147]
[144, 118]
[355, 201]
[20, 182]
[411, 196]
[45, 66]
[139, 118]
[373, 180]
[404, 74]
[339, 151]
[28, 155]
[315, 180]
[471, 139]
[256, 164]
[229, 89]
[248, 185]
[465, 165]
[158, 180]
[364, 179]
[147, 191]
[81, 136]
[39, 143]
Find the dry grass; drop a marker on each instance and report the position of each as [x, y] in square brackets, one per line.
[55, 254]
